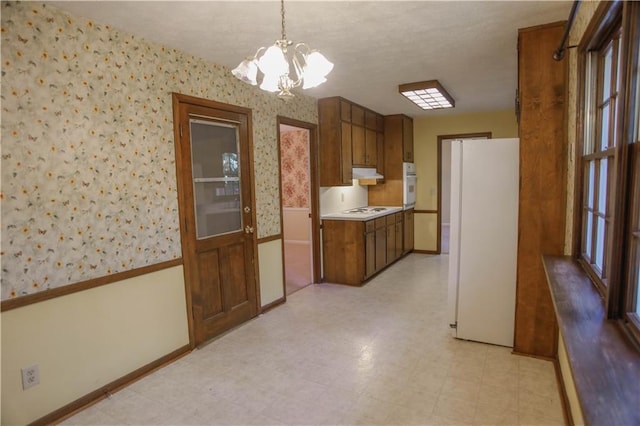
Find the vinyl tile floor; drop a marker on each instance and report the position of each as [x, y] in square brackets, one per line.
[380, 354]
[297, 262]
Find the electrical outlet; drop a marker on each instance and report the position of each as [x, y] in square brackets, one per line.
[30, 376]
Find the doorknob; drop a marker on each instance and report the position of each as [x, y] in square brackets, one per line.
[247, 209]
[248, 229]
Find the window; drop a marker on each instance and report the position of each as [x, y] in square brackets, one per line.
[599, 150]
[609, 158]
[631, 297]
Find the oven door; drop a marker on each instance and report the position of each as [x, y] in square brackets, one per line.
[409, 191]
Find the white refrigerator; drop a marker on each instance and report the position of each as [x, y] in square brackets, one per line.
[483, 239]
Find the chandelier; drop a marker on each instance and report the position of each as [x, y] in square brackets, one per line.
[284, 68]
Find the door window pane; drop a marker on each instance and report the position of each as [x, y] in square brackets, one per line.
[606, 68]
[591, 176]
[600, 244]
[604, 141]
[589, 232]
[636, 282]
[602, 188]
[216, 178]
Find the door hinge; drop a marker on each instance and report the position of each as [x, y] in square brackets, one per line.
[454, 325]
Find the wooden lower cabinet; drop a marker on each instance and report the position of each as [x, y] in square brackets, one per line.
[354, 251]
[369, 248]
[408, 231]
[381, 242]
[399, 235]
[395, 233]
[391, 238]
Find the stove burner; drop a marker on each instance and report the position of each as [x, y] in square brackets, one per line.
[367, 210]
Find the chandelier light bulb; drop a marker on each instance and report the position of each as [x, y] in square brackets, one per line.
[270, 83]
[273, 62]
[247, 71]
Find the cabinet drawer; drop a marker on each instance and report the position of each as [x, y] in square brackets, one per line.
[381, 222]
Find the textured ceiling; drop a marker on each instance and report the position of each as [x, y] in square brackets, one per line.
[470, 47]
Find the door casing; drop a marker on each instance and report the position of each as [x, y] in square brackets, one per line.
[314, 185]
[187, 251]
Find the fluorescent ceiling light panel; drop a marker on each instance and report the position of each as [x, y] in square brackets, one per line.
[427, 94]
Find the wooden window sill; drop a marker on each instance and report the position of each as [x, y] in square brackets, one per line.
[604, 363]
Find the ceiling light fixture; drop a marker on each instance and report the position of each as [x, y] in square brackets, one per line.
[427, 94]
[284, 69]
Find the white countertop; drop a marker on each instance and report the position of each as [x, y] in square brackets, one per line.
[343, 215]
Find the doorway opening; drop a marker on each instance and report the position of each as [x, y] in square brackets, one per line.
[299, 205]
[444, 185]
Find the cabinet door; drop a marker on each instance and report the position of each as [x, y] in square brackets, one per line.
[381, 244]
[407, 139]
[391, 239]
[347, 173]
[370, 118]
[357, 115]
[371, 148]
[399, 235]
[345, 111]
[335, 142]
[408, 231]
[380, 153]
[359, 147]
[369, 253]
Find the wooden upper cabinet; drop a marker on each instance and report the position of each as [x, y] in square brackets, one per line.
[399, 133]
[371, 148]
[335, 142]
[350, 135]
[398, 141]
[407, 139]
[345, 111]
[359, 147]
[357, 115]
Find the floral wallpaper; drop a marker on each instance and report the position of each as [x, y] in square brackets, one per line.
[294, 146]
[88, 168]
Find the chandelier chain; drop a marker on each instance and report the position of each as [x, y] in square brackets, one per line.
[284, 33]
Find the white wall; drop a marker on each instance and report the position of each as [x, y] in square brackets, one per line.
[271, 273]
[60, 336]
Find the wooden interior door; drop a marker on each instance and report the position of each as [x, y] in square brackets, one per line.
[216, 214]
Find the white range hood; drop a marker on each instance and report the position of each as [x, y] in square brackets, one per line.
[366, 176]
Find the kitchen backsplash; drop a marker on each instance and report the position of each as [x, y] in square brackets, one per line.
[338, 198]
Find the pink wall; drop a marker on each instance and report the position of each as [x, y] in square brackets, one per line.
[294, 150]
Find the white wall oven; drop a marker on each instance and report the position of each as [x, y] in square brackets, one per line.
[409, 180]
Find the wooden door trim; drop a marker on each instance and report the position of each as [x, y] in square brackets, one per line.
[314, 190]
[438, 212]
[179, 100]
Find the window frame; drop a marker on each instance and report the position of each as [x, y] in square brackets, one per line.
[619, 266]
